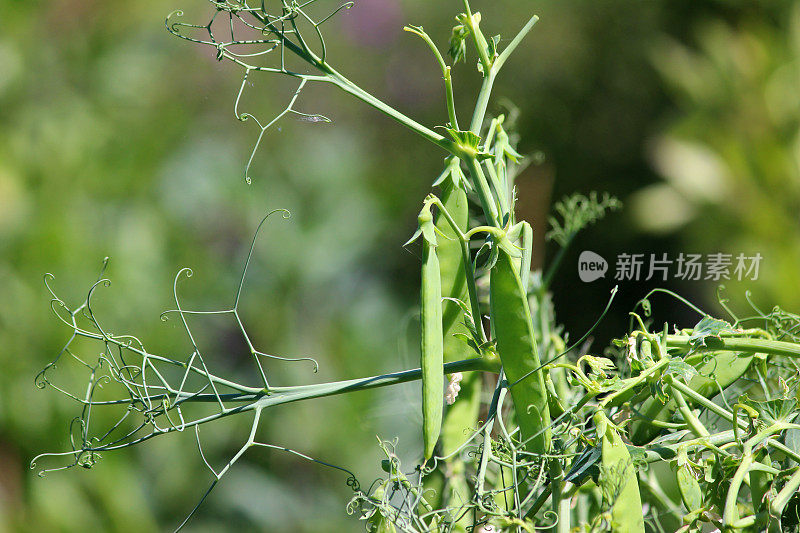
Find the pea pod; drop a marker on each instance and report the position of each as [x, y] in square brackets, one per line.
[461, 417]
[452, 272]
[378, 523]
[688, 486]
[463, 414]
[618, 480]
[760, 481]
[516, 345]
[727, 367]
[431, 359]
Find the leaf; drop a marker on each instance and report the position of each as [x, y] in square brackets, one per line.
[586, 465]
[792, 439]
[598, 365]
[681, 369]
[458, 46]
[707, 333]
[772, 411]
[611, 385]
[492, 44]
[464, 138]
[577, 212]
[503, 148]
[657, 390]
[426, 228]
[454, 173]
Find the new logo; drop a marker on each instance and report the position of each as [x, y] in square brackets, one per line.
[591, 266]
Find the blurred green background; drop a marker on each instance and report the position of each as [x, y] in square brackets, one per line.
[118, 139]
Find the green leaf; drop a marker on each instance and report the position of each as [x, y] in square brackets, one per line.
[577, 212]
[493, 42]
[681, 369]
[503, 148]
[453, 173]
[792, 439]
[706, 334]
[586, 465]
[772, 411]
[657, 390]
[458, 45]
[466, 139]
[598, 365]
[426, 228]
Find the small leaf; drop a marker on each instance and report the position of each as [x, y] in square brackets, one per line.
[706, 334]
[598, 364]
[772, 411]
[577, 212]
[792, 438]
[681, 369]
[493, 42]
[586, 465]
[458, 46]
[503, 148]
[426, 228]
[657, 390]
[453, 173]
[465, 139]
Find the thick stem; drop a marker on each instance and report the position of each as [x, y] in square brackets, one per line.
[482, 104]
[736, 344]
[484, 191]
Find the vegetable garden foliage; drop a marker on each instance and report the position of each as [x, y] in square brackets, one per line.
[539, 435]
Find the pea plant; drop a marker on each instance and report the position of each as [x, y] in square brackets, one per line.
[670, 428]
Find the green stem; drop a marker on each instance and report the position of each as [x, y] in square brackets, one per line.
[478, 39]
[498, 63]
[735, 344]
[448, 82]
[332, 76]
[482, 104]
[559, 502]
[688, 416]
[499, 188]
[730, 514]
[787, 493]
[553, 267]
[484, 191]
[451, 105]
[428, 134]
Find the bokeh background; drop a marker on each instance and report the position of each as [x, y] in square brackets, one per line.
[116, 139]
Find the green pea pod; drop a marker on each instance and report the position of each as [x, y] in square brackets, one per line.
[618, 480]
[688, 486]
[726, 366]
[431, 360]
[451, 264]
[463, 415]
[760, 481]
[378, 523]
[516, 345]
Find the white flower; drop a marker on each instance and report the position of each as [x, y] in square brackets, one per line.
[453, 387]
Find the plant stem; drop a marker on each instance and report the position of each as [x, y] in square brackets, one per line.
[787, 493]
[428, 134]
[736, 344]
[482, 104]
[484, 191]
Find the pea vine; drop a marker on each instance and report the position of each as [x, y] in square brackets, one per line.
[537, 434]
